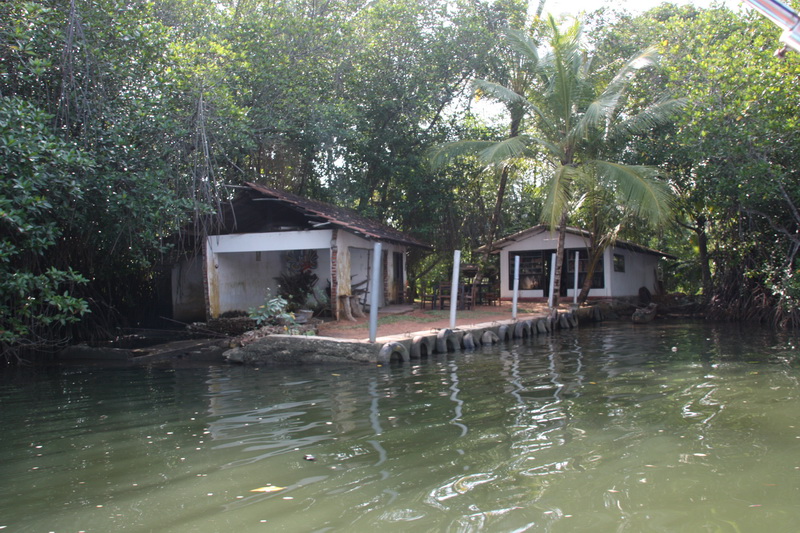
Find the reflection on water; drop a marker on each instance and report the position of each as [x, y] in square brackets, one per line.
[615, 428]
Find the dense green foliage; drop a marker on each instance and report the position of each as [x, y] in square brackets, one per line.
[37, 195]
[149, 110]
[732, 155]
[122, 121]
[88, 138]
[570, 115]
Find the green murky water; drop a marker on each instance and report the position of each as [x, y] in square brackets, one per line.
[600, 429]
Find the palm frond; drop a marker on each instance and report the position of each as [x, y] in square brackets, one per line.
[609, 237]
[500, 93]
[647, 58]
[555, 150]
[511, 98]
[564, 38]
[506, 150]
[600, 111]
[560, 91]
[639, 189]
[520, 42]
[657, 114]
[487, 152]
[558, 192]
[564, 65]
[441, 156]
[594, 117]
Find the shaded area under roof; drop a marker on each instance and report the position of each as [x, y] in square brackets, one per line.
[262, 208]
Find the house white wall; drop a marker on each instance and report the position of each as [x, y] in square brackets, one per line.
[254, 242]
[355, 256]
[640, 268]
[360, 265]
[241, 268]
[244, 278]
[640, 271]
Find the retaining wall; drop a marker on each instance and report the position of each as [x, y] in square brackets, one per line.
[299, 349]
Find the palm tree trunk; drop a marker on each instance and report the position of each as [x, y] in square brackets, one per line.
[595, 255]
[562, 236]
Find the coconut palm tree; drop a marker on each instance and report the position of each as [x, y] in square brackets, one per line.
[574, 116]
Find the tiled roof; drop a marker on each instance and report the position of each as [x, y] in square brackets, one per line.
[339, 216]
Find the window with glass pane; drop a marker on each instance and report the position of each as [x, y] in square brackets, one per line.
[619, 263]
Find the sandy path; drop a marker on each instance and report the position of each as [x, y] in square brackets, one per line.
[428, 320]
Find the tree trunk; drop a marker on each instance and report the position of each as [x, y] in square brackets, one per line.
[513, 131]
[491, 233]
[699, 229]
[595, 255]
[562, 235]
[702, 247]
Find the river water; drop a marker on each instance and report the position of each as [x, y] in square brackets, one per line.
[664, 427]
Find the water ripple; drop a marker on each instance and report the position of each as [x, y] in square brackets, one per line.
[458, 486]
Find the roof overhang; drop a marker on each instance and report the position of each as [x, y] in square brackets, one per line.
[537, 230]
[323, 215]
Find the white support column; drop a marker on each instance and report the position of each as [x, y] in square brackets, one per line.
[375, 292]
[516, 288]
[575, 284]
[552, 280]
[454, 288]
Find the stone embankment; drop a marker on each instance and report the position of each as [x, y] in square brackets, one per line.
[300, 349]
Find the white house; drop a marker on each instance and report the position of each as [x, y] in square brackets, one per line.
[624, 269]
[265, 233]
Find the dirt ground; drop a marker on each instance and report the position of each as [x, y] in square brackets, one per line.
[404, 320]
